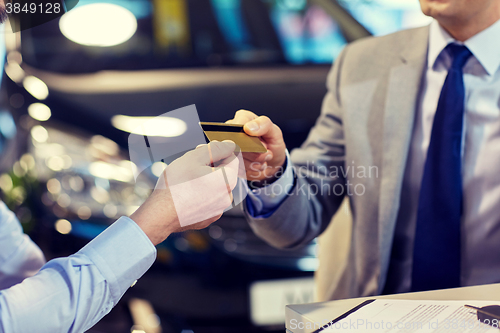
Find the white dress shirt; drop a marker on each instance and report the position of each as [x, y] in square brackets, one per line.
[481, 158]
[68, 294]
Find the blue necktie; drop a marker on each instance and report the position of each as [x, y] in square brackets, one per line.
[436, 257]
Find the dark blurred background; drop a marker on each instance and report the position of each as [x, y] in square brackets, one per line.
[73, 88]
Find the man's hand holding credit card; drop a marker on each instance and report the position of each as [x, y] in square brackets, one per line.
[262, 167]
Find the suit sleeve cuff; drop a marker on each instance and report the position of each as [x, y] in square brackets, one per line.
[122, 253]
[262, 202]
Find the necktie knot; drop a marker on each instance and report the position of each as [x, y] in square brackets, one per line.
[460, 54]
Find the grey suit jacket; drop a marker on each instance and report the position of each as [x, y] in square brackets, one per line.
[358, 145]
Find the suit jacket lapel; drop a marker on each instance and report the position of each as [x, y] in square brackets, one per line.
[404, 82]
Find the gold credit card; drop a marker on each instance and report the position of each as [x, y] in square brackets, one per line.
[235, 133]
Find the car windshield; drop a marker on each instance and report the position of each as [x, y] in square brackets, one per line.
[206, 33]
[194, 33]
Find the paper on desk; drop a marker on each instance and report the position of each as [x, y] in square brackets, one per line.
[386, 315]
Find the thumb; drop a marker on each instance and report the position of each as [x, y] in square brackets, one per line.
[216, 151]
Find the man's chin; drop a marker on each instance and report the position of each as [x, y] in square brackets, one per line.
[435, 8]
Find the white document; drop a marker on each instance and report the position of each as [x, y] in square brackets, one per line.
[406, 316]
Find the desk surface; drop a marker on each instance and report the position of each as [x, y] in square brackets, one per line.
[326, 311]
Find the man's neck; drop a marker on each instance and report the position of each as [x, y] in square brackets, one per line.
[462, 31]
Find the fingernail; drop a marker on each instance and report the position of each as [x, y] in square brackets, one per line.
[268, 158]
[264, 166]
[252, 126]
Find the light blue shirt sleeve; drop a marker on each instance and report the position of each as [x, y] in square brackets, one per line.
[72, 294]
[19, 256]
[263, 202]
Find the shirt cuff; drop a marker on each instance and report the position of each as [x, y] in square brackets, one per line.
[122, 253]
[265, 200]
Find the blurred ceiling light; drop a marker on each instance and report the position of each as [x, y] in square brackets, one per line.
[6, 183]
[14, 72]
[23, 166]
[63, 226]
[129, 165]
[14, 57]
[157, 168]
[39, 111]
[110, 210]
[45, 150]
[28, 160]
[18, 170]
[53, 186]
[12, 40]
[99, 24]
[64, 200]
[39, 133]
[18, 194]
[84, 212]
[105, 145]
[55, 163]
[152, 126]
[110, 171]
[36, 87]
[99, 194]
[68, 161]
[76, 183]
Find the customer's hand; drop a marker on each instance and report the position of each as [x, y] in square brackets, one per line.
[191, 193]
[262, 167]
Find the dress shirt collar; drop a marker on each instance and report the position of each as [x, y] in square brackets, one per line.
[484, 46]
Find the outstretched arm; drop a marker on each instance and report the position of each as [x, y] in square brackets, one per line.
[289, 209]
[71, 294]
